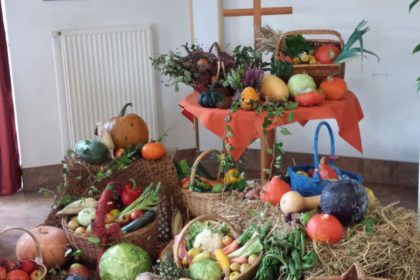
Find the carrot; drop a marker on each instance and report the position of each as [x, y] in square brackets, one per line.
[231, 247]
[240, 260]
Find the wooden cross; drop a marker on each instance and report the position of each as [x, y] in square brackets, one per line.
[257, 12]
[268, 139]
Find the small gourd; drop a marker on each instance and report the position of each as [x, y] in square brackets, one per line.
[293, 202]
[92, 151]
[210, 98]
[250, 99]
[324, 228]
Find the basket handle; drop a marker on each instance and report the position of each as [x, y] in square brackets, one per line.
[197, 162]
[206, 217]
[38, 258]
[316, 155]
[315, 32]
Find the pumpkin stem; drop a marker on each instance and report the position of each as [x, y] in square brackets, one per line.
[122, 113]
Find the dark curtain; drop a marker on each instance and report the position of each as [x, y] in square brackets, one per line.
[10, 172]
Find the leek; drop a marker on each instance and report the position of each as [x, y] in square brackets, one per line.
[348, 52]
[251, 247]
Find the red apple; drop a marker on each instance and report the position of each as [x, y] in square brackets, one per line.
[79, 269]
[11, 265]
[3, 273]
[136, 214]
[28, 266]
[36, 274]
[17, 274]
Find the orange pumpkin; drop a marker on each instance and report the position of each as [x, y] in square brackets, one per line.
[153, 151]
[325, 228]
[334, 88]
[273, 191]
[127, 130]
[52, 240]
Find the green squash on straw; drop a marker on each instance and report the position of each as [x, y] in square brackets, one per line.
[348, 52]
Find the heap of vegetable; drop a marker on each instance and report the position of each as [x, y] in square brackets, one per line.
[210, 252]
[285, 256]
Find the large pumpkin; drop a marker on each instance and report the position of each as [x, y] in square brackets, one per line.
[53, 243]
[127, 130]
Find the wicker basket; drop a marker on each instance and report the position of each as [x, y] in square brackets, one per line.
[309, 186]
[317, 71]
[248, 275]
[145, 237]
[355, 272]
[200, 203]
[38, 258]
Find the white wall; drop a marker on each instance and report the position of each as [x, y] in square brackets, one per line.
[386, 90]
[29, 30]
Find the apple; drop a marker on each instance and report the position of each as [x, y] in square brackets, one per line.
[109, 218]
[119, 152]
[36, 274]
[89, 230]
[28, 266]
[136, 214]
[17, 274]
[3, 273]
[115, 212]
[124, 219]
[79, 269]
[11, 265]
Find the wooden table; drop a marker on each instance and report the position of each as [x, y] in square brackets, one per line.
[247, 126]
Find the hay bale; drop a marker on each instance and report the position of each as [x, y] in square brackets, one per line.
[390, 250]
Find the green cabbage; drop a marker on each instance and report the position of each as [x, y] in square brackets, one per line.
[206, 270]
[301, 83]
[123, 261]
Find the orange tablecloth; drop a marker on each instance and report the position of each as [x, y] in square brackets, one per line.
[247, 126]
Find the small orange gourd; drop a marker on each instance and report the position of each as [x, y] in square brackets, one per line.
[153, 151]
[127, 130]
[250, 99]
[325, 228]
[334, 88]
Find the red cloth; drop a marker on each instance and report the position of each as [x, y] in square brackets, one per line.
[10, 172]
[247, 126]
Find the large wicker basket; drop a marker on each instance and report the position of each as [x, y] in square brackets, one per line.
[200, 203]
[145, 237]
[248, 275]
[317, 71]
[38, 258]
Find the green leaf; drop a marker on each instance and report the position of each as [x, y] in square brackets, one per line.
[284, 131]
[417, 48]
[290, 116]
[290, 105]
[418, 84]
[412, 4]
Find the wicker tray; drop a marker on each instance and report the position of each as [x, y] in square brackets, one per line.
[200, 203]
[248, 275]
[38, 258]
[317, 71]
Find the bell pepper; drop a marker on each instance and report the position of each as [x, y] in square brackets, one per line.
[130, 193]
[232, 176]
[310, 99]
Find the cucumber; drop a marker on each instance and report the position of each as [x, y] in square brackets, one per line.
[144, 220]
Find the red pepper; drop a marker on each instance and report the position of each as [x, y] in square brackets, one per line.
[130, 193]
[310, 98]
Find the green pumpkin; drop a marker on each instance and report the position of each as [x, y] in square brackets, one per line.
[92, 151]
[210, 99]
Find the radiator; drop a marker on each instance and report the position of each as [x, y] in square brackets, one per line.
[97, 72]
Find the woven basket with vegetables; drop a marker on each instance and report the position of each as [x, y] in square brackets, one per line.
[209, 247]
[122, 214]
[320, 58]
[201, 194]
[310, 180]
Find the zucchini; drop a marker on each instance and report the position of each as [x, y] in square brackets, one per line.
[144, 220]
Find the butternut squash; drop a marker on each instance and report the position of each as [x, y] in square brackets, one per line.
[293, 202]
[274, 88]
